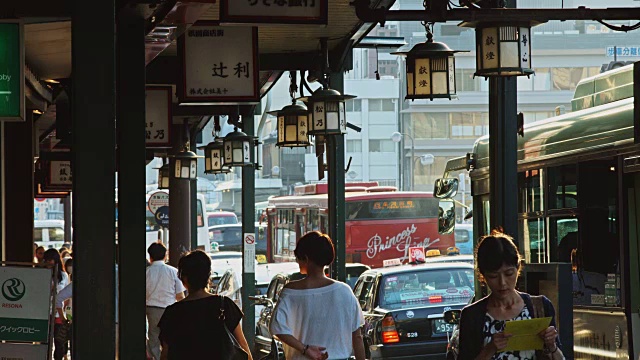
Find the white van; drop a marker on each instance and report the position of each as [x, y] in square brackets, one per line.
[48, 233]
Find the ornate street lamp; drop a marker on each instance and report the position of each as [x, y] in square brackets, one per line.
[431, 70]
[163, 176]
[214, 157]
[503, 49]
[328, 115]
[186, 165]
[237, 149]
[293, 124]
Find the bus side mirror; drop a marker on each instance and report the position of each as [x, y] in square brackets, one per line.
[446, 216]
[452, 316]
[445, 188]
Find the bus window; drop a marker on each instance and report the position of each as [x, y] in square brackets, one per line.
[530, 191]
[532, 240]
[563, 183]
[393, 209]
[563, 233]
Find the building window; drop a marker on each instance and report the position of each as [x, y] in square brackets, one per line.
[354, 105]
[469, 125]
[430, 125]
[381, 146]
[354, 146]
[381, 105]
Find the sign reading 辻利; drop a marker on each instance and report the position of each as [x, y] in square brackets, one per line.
[11, 71]
[274, 11]
[213, 75]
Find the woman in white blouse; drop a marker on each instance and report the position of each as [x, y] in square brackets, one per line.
[318, 318]
[52, 259]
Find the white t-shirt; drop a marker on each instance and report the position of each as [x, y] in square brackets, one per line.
[162, 284]
[62, 284]
[325, 316]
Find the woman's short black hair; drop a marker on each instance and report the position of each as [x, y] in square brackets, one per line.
[196, 267]
[495, 250]
[316, 247]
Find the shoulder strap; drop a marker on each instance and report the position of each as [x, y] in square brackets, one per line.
[538, 306]
[222, 308]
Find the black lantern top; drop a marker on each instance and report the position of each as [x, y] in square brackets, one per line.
[323, 94]
[293, 125]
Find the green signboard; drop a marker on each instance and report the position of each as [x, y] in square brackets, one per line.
[11, 71]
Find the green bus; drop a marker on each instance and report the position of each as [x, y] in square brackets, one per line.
[579, 203]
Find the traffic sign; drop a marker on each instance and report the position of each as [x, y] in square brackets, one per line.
[162, 216]
[249, 253]
[157, 200]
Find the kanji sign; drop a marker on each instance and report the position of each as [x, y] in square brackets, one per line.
[158, 116]
[623, 51]
[60, 173]
[274, 11]
[249, 251]
[11, 70]
[211, 74]
[157, 200]
[25, 298]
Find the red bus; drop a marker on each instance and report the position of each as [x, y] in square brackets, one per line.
[382, 223]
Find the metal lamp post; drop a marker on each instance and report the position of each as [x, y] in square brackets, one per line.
[396, 137]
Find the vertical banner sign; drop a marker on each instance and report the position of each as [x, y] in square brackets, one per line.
[60, 173]
[26, 302]
[158, 116]
[274, 11]
[219, 64]
[11, 71]
[249, 252]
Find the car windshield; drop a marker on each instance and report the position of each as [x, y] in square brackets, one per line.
[426, 288]
[222, 220]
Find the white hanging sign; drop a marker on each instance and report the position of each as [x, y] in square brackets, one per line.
[220, 64]
[60, 173]
[158, 116]
[249, 252]
[274, 11]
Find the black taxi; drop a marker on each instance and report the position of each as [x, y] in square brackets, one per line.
[403, 308]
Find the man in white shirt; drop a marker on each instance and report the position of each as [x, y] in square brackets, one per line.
[163, 289]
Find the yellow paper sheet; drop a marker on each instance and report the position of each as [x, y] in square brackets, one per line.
[525, 334]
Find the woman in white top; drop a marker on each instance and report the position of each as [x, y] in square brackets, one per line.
[318, 318]
[52, 259]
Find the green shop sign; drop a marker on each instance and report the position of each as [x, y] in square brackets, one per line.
[11, 70]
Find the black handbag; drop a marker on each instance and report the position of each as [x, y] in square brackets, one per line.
[231, 349]
[275, 354]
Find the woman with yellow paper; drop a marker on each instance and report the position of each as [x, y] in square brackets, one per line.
[484, 333]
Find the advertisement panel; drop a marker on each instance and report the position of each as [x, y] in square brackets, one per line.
[11, 70]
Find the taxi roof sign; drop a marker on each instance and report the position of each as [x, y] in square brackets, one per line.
[433, 252]
[391, 262]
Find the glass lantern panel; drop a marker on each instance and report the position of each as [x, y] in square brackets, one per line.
[525, 47]
[247, 154]
[333, 115]
[215, 159]
[302, 129]
[451, 66]
[319, 116]
[165, 182]
[489, 46]
[410, 89]
[178, 166]
[423, 76]
[509, 54]
[281, 136]
[193, 170]
[237, 152]
[207, 164]
[440, 82]
[184, 170]
[291, 128]
[228, 154]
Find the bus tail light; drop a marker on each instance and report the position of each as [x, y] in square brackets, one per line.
[435, 299]
[389, 332]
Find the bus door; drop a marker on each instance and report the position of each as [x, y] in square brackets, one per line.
[631, 288]
[300, 222]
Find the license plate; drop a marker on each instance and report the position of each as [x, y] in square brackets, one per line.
[441, 327]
